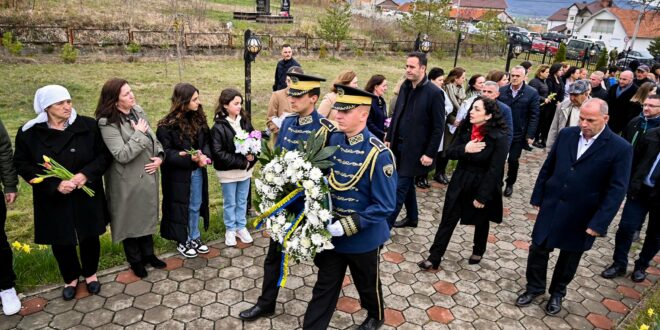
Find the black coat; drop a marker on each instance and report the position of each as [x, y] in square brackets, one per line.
[175, 180]
[599, 92]
[477, 176]
[223, 150]
[556, 87]
[377, 116]
[621, 110]
[524, 110]
[541, 87]
[417, 126]
[71, 218]
[280, 73]
[645, 155]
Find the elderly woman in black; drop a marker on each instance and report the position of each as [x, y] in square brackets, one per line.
[184, 178]
[64, 215]
[474, 195]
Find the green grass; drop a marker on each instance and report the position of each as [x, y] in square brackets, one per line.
[153, 88]
[643, 315]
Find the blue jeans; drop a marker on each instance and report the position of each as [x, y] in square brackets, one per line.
[194, 204]
[235, 204]
[633, 216]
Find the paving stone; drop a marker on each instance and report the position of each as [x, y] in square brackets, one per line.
[59, 306]
[194, 263]
[111, 289]
[97, 318]
[137, 288]
[202, 298]
[439, 314]
[147, 301]
[158, 314]
[191, 286]
[187, 313]
[180, 274]
[34, 321]
[66, 320]
[215, 311]
[9, 322]
[174, 325]
[556, 322]
[118, 302]
[487, 312]
[31, 306]
[176, 299]
[128, 316]
[599, 321]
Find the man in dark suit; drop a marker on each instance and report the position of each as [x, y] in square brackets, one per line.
[618, 102]
[415, 133]
[283, 66]
[524, 102]
[578, 192]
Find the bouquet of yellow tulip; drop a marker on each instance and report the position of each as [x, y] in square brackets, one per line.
[192, 152]
[55, 170]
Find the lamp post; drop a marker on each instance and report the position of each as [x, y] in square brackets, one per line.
[592, 53]
[513, 50]
[545, 51]
[252, 48]
[425, 46]
[459, 38]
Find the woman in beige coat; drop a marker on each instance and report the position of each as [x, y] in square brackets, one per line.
[132, 179]
[348, 78]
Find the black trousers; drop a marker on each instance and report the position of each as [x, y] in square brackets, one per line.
[71, 267]
[332, 269]
[545, 121]
[537, 268]
[514, 156]
[441, 162]
[447, 225]
[269, 288]
[7, 275]
[405, 194]
[652, 240]
[136, 248]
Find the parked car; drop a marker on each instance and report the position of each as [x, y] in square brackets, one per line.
[644, 57]
[557, 37]
[575, 47]
[512, 28]
[538, 46]
[534, 35]
[521, 39]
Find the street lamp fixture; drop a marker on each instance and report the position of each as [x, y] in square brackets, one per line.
[425, 46]
[514, 49]
[252, 48]
[460, 38]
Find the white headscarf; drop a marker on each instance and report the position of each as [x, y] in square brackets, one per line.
[45, 97]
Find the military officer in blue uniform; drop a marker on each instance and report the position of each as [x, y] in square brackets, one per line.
[363, 183]
[303, 92]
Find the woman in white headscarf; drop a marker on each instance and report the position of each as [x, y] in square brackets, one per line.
[64, 215]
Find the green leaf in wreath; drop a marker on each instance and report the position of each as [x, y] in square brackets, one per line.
[325, 153]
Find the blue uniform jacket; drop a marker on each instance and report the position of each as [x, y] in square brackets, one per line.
[296, 128]
[364, 208]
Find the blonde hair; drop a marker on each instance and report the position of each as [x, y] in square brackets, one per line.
[344, 78]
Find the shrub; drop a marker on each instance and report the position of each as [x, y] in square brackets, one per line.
[13, 46]
[69, 54]
[133, 47]
[561, 53]
[323, 52]
[602, 59]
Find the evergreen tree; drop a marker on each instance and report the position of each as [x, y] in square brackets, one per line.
[561, 53]
[427, 16]
[335, 24]
[654, 47]
[602, 59]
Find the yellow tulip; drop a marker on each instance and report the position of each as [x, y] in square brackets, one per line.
[17, 245]
[36, 180]
[643, 327]
[46, 159]
[26, 248]
[650, 312]
[43, 247]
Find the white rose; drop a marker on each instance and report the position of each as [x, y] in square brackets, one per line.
[315, 174]
[269, 177]
[312, 219]
[317, 239]
[277, 168]
[307, 165]
[307, 184]
[305, 242]
[278, 181]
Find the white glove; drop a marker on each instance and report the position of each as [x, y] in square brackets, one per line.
[335, 229]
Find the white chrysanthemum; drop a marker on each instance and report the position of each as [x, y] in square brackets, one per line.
[315, 174]
[305, 242]
[317, 239]
[277, 168]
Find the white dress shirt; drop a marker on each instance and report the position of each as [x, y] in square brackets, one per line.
[584, 144]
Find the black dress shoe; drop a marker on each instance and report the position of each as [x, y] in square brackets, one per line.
[138, 270]
[612, 272]
[441, 179]
[255, 312]
[427, 264]
[538, 144]
[508, 191]
[638, 275]
[405, 222]
[154, 262]
[425, 183]
[526, 298]
[94, 287]
[69, 292]
[527, 147]
[371, 323]
[420, 182]
[554, 305]
[474, 259]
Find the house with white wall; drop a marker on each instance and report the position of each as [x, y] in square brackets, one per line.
[616, 27]
[565, 20]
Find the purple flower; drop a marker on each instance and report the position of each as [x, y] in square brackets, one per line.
[255, 135]
[388, 121]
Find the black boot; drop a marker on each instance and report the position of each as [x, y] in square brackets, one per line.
[138, 270]
[154, 262]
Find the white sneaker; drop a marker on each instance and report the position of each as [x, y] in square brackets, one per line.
[230, 238]
[10, 302]
[187, 250]
[199, 246]
[244, 235]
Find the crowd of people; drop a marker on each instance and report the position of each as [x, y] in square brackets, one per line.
[601, 133]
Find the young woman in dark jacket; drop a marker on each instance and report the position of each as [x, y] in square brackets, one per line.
[474, 195]
[234, 170]
[183, 176]
[377, 85]
[540, 83]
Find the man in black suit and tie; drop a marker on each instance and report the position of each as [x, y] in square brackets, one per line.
[578, 192]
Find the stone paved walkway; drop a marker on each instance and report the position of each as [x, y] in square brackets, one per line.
[209, 292]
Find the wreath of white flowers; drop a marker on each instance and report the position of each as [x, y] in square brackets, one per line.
[301, 235]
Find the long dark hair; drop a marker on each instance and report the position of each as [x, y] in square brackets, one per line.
[454, 74]
[187, 122]
[472, 82]
[571, 70]
[495, 75]
[107, 106]
[374, 81]
[554, 69]
[226, 96]
[495, 124]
